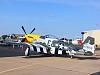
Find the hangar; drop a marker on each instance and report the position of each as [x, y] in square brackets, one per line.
[92, 33]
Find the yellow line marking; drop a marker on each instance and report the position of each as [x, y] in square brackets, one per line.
[14, 69]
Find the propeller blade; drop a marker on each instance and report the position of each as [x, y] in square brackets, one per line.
[32, 31]
[23, 29]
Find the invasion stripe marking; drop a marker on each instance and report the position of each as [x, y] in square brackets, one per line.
[59, 51]
[64, 52]
[52, 50]
[41, 49]
[38, 49]
[34, 48]
[44, 50]
[56, 50]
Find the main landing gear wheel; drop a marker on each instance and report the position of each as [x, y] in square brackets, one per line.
[27, 52]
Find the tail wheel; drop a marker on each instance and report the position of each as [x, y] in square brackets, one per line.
[27, 52]
[88, 53]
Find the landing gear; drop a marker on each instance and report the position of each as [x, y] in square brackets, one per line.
[88, 53]
[71, 56]
[27, 52]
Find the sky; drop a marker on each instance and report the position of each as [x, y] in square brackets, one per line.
[62, 18]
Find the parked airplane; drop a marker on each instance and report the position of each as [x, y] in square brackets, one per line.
[61, 48]
[47, 45]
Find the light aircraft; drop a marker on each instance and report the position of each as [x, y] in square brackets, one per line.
[47, 45]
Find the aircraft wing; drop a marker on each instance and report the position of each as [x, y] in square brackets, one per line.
[9, 43]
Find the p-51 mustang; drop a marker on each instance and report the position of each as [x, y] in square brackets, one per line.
[48, 45]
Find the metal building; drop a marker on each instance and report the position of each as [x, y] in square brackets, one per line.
[93, 33]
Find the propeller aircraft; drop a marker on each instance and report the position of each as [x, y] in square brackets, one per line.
[46, 45]
[54, 46]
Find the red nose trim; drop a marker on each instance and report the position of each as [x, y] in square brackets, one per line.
[26, 41]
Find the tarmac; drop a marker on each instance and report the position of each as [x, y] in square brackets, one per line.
[13, 62]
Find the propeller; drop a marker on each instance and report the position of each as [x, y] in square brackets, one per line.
[24, 29]
[32, 31]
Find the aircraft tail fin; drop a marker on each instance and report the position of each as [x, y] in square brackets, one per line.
[89, 46]
[89, 40]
